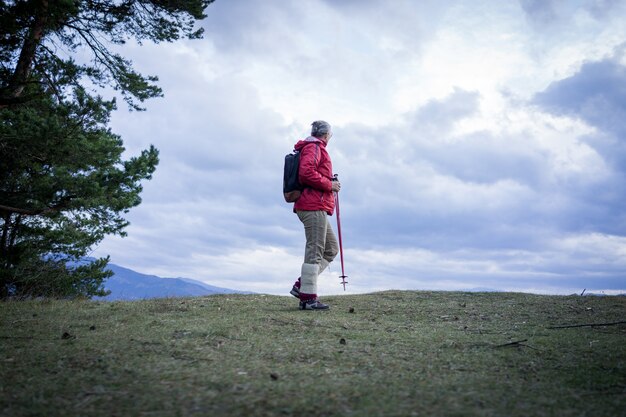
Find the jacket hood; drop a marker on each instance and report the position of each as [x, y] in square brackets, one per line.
[311, 139]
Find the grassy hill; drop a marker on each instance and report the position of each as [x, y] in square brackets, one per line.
[383, 354]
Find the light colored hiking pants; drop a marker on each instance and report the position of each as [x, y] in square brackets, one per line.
[321, 248]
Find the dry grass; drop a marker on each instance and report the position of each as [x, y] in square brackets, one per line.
[396, 354]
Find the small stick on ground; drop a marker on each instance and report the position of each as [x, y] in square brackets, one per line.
[614, 323]
[515, 343]
[17, 337]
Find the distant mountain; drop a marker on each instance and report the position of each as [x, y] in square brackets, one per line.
[127, 284]
[481, 289]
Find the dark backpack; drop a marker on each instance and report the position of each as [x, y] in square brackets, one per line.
[291, 184]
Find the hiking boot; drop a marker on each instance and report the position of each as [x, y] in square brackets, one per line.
[313, 305]
[295, 291]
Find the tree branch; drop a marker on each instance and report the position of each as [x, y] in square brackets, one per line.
[29, 212]
[9, 209]
[21, 99]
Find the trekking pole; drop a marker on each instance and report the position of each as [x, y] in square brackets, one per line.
[343, 274]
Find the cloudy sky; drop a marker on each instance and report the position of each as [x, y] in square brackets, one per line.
[480, 144]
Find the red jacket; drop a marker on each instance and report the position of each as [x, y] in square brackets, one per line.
[316, 173]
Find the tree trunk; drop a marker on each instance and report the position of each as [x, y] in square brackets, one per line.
[4, 256]
[13, 236]
[29, 50]
[4, 239]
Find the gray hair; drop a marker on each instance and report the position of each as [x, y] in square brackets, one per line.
[319, 128]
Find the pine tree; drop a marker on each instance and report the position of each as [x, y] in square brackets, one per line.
[63, 183]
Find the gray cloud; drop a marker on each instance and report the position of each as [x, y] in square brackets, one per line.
[540, 11]
[595, 93]
[418, 184]
[546, 13]
[426, 202]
